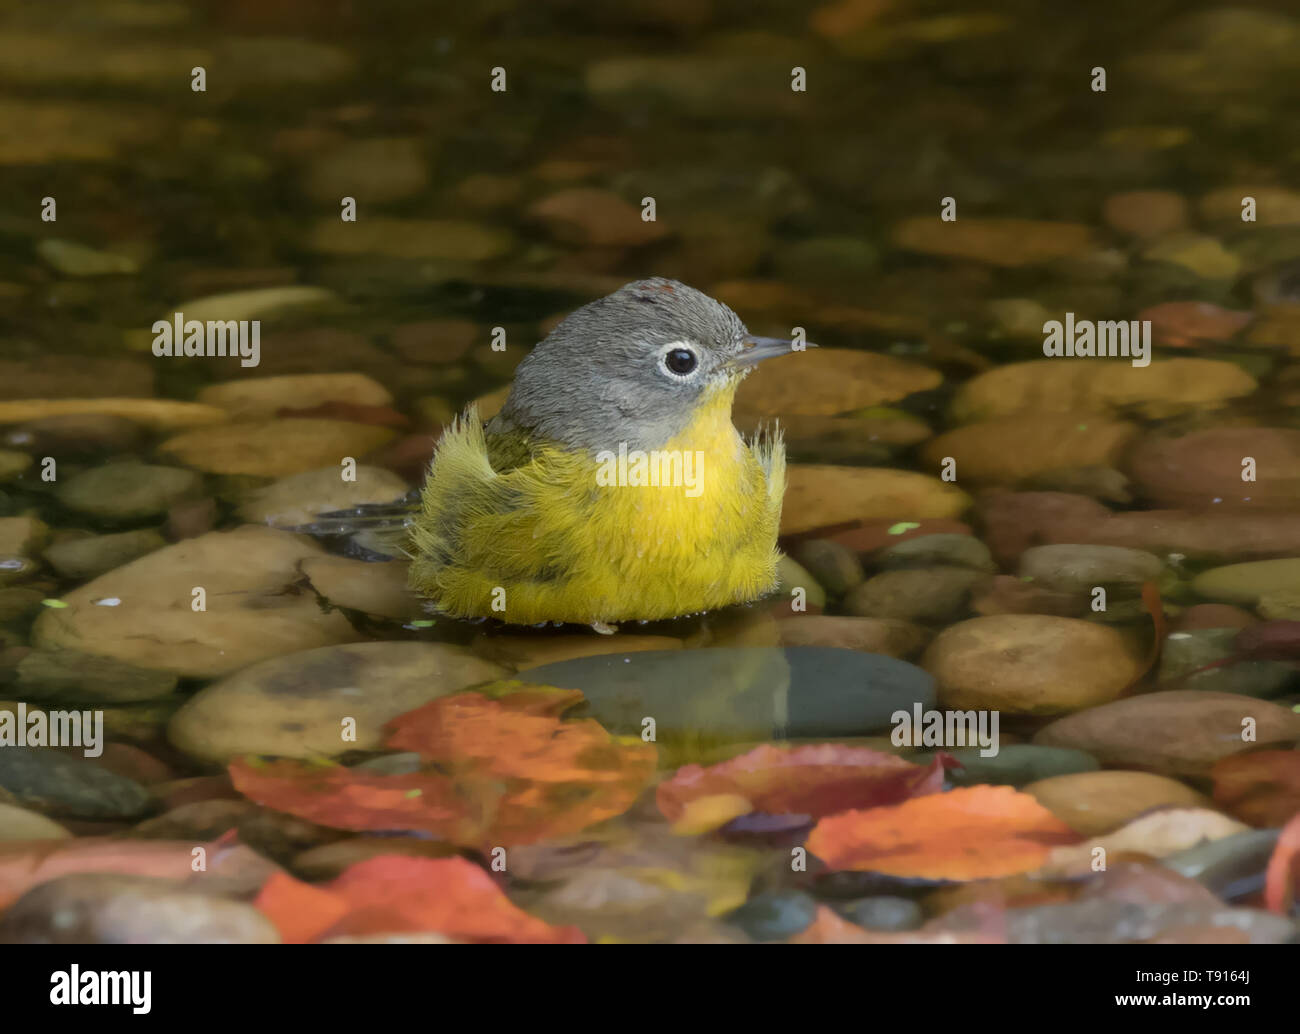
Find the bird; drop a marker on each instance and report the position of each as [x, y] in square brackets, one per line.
[612, 485]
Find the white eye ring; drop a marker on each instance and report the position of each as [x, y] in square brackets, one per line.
[677, 353]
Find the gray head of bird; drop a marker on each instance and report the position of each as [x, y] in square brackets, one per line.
[634, 366]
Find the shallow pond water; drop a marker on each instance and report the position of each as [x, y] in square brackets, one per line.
[1040, 593]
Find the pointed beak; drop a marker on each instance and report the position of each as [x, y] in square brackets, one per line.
[756, 349]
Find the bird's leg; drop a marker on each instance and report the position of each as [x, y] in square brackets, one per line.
[603, 628]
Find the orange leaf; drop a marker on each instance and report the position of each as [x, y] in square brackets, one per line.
[980, 832]
[509, 737]
[299, 911]
[400, 894]
[502, 771]
[1261, 788]
[1283, 872]
[816, 780]
[350, 798]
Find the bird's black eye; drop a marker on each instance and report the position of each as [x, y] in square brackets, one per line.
[681, 361]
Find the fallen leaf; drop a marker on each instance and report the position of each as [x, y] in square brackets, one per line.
[815, 780]
[353, 798]
[1261, 788]
[979, 832]
[501, 769]
[1283, 872]
[396, 894]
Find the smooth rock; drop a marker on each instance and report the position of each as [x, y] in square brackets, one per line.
[1204, 468]
[1014, 521]
[56, 676]
[884, 913]
[201, 821]
[1146, 213]
[1248, 583]
[13, 464]
[128, 491]
[1009, 449]
[1274, 206]
[1204, 257]
[933, 594]
[946, 550]
[437, 341]
[67, 786]
[1178, 732]
[258, 303]
[1030, 664]
[263, 397]
[20, 824]
[372, 171]
[1089, 385]
[411, 239]
[294, 705]
[1080, 568]
[300, 498]
[827, 381]
[253, 611]
[378, 589]
[1105, 484]
[793, 578]
[593, 218]
[1186, 652]
[154, 414]
[274, 448]
[729, 694]
[1098, 802]
[108, 908]
[835, 567]
[89, 557]
[887, 636]
[73, 259]
[774, 915]
[1017, 764]
[819, 496]
[998, 242]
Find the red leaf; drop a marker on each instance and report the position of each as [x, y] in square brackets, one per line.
[1283, 871]
[816, 780]
[399, 894]
[979, 832]
[502, 770]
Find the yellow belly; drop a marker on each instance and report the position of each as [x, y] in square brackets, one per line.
[555, 540]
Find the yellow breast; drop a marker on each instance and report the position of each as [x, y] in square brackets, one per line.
[609, 537]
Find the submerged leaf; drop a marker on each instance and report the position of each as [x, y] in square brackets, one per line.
[396, 894]
[979, 832]
[816, 780]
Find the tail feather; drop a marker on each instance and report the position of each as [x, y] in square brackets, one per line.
[391, 516]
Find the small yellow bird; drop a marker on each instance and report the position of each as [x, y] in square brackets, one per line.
[612, 485]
